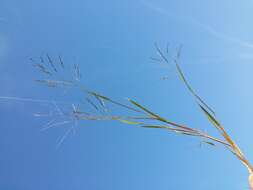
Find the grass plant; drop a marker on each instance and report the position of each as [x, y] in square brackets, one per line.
[139, 115]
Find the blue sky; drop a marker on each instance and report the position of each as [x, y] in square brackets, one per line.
[112, 42]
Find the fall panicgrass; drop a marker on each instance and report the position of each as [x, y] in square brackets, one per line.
[143, 117]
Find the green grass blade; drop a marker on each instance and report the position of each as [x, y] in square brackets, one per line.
[209, 143]
[211, 118]
[154, 126]
[129, 122]
[234, 146]
[113, 102]
[182, 77]
[157, 117]
[148, 111]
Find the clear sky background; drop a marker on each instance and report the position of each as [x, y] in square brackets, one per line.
[112, 41]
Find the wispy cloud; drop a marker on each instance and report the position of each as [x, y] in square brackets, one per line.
[158, 9]
[211, 30]
[207, 28]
